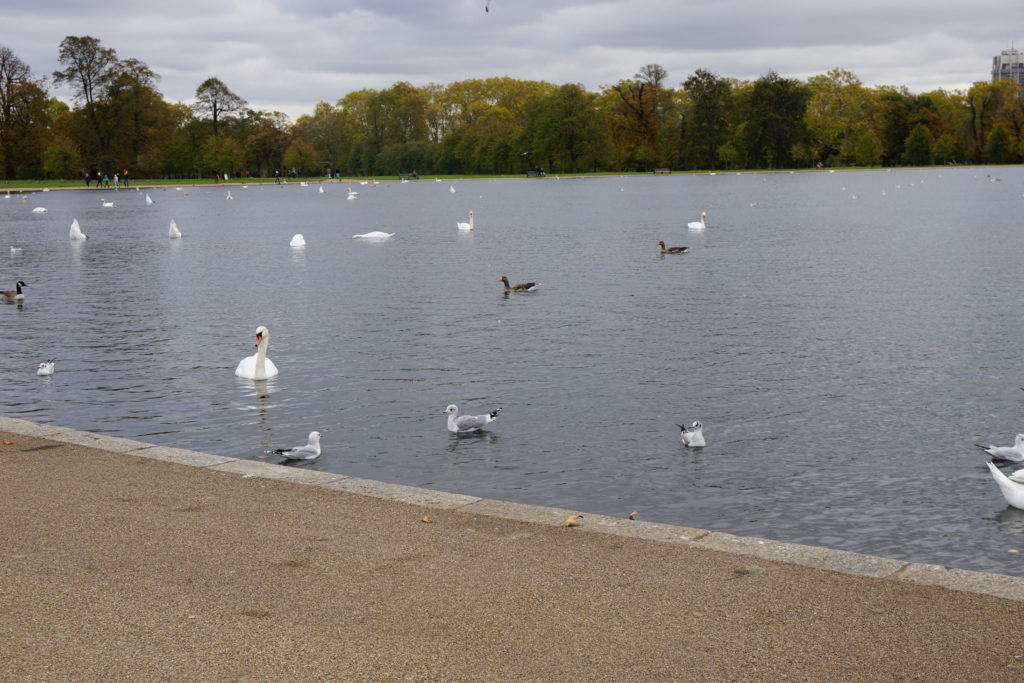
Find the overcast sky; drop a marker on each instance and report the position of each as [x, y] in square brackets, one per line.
[288, 55]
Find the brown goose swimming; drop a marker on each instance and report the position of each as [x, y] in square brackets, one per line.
[525, 287]
[672, 250]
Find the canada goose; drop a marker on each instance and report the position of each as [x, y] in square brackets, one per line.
[14, 294]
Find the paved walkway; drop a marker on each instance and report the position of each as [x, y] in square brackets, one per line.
[129, 566]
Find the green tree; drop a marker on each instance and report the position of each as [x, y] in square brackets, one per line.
[301, 156]
[216, 100]
[565, 129]
[917, 151]
[945, 150]
[999, 148]
[710, 99]
[868, 150]
[776, 120]
[62, 159]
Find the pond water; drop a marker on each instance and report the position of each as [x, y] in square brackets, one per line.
[845, 338]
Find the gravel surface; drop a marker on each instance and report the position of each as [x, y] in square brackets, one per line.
[115, 567]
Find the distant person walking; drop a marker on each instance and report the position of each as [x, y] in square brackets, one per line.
[117, 182]
[87, 179]
[106, 180]
[124, 177]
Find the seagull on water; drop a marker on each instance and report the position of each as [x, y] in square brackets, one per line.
[1014, 453]
[468, 423]
[692, 436]
[46, 368]
[375, 235]
[311, 451]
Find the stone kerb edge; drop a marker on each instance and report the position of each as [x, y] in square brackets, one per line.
[842, 561]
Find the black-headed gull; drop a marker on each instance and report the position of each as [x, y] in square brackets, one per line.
[311, 451]
[1014, 453]
[692, 436]
[468, 423]
[46, 368]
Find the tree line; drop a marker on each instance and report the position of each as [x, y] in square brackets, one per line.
[118, 119]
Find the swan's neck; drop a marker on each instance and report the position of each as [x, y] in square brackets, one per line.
[471, 224]
[261, 357]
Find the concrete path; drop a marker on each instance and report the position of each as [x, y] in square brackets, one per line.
[119, 563]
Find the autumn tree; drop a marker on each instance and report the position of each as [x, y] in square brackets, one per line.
[839, 116]
[23, 117]
[216, 100]
[87, 69]
[985, 102]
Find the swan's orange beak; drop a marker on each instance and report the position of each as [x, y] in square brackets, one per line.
[259, 338]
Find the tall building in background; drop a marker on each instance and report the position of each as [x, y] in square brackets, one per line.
[1008, 65]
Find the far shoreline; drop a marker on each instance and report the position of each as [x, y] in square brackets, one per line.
[30, 186]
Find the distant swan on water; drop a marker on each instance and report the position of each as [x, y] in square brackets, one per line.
[375, 235]
[466, 226]
[698, 225]
[174, 232]
[76, 230]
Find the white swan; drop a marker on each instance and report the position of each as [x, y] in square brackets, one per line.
[375, 235]
[468, 423]
[76, 230]
[297, 241]
[352, 194]
[106, 204]
[466, 226]
[39, 209]
[320, 189]
[174, 232]
[1014, 453]
[1012, 487]
[692, 436]
[451, 188]
[698, 225]
[229, 195]
[149, 200]
[258, 366]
